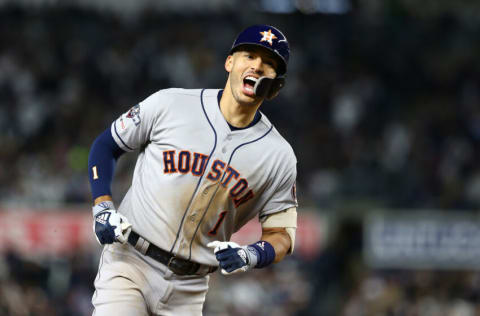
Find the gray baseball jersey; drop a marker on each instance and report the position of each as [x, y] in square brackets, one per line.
[196, 180]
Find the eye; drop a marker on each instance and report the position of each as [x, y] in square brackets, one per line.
[271, 63]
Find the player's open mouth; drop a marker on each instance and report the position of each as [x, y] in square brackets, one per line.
[248, 84]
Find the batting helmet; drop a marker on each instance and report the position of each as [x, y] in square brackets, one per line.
[268, 37]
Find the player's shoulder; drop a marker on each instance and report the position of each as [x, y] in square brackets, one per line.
[279, 145]
[180, 92]
[172, 93]
[171, 98]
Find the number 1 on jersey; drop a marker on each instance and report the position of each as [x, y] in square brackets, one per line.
[95, 173]
[221, 217]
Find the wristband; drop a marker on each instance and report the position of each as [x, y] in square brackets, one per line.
[102, 206]
[265, 253]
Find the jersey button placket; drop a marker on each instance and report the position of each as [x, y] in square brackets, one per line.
[183, 245]
[228, 138]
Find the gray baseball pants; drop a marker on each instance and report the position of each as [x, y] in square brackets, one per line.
[129, 283]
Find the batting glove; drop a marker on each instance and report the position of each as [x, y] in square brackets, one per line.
[109, 225]
[234, 258]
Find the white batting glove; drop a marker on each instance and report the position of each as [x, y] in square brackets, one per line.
[232, 257]
[110, 226]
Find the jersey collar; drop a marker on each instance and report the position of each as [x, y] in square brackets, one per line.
[255, 120]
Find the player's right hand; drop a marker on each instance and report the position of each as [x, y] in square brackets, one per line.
[109, 225]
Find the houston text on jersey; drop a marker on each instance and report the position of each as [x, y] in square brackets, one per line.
[185, 162]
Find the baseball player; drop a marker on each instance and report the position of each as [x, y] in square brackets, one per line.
[209, 161]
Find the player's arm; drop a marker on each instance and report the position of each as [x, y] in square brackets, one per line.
[109, 226]
[130, 131]
[279, 230]
[103, 198]
[102, 158]
[278, 239]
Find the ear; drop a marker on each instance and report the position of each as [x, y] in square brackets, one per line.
[229, 63]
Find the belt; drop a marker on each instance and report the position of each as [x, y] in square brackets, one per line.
[177, 265]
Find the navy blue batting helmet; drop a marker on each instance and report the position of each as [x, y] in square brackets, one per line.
[268, 37]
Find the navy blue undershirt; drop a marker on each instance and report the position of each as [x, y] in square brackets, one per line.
[102, 158]
[255, 120]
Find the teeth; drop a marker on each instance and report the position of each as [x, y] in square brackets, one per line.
[251, 78]
[248, 89]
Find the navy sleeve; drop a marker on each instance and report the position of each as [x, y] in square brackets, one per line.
[101, 163]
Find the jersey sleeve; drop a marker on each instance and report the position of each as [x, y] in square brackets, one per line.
[284, 196]
[134, 127]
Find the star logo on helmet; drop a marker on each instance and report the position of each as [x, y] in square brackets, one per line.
[268, 36]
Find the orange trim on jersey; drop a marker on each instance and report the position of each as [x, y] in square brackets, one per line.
[215, 177]
[169, 162]
[182, 165]
[196, 171]
[230, 171]
[247, 196]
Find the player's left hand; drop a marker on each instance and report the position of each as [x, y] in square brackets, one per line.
[232, 257]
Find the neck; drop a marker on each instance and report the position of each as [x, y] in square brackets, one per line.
[237, 114]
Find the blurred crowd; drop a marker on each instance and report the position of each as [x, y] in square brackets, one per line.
[417, 293]
[382, 107]
[60, 286]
